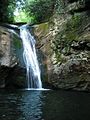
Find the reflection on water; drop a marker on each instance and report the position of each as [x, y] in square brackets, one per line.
[20, 105]
[31, 107]
[44, 105]
[66, 105]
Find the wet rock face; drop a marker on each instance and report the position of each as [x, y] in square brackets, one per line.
[7, 48]
[43, 35]
[4, 55]
[11, 70]
[4, 47]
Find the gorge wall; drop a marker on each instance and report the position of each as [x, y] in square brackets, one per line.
[65, 41]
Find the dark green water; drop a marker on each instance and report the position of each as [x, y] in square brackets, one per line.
[44, 105]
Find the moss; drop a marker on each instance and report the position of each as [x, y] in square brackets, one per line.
[41, 29]
[17, 42]
[44, 26]
[64, 38]
[73, 28]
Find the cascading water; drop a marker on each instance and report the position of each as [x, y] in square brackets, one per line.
[30, 58]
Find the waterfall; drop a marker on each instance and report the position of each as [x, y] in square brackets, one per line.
[30, 58]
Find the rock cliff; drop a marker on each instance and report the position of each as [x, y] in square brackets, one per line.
[66, 43]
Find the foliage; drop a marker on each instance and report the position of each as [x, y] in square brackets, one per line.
[73, 27]
[64, 38]
[60, 5]
[22, 17]
[3, 9]
[17, 42]
[28, 10]
[40, 10]
[7, 10]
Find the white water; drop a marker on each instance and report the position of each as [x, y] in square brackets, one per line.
[30, 58]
